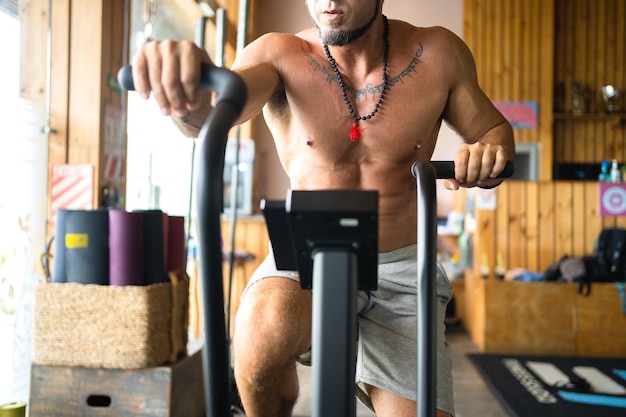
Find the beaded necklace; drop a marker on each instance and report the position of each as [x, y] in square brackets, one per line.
[355, 132]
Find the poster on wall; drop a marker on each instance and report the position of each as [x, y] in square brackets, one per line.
[521, 114]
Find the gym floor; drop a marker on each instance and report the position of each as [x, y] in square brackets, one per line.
[472, 397]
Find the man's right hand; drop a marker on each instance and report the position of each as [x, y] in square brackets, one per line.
[170, 72]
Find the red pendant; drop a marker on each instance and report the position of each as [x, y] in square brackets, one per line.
[355, 133]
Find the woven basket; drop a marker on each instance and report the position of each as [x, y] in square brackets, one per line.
[111, 327]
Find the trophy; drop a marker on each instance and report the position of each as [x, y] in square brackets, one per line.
[576, 98]
[610, 95]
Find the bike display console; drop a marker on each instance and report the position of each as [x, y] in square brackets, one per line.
[312, 221]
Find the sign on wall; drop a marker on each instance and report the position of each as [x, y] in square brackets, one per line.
[71, 187]
[612, 200]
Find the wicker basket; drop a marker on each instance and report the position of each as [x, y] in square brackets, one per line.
[111, 327]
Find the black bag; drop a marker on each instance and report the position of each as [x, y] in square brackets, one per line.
[568, 269]
[608, 264]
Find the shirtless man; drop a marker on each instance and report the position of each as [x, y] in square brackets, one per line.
[388, 86]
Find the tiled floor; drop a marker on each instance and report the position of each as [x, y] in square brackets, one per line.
[472, 397]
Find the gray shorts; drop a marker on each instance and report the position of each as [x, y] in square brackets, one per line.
[387, 326]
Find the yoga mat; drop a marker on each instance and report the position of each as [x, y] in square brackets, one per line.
[14, 409]
[532, 385]
[154, 264]
[59, 272]
[87, 246]
[126, 248]
[176, 249]
[166, 238]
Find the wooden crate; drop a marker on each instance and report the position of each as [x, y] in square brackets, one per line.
[544, 318]
[529, 318]
[164, 391]
[601, 323]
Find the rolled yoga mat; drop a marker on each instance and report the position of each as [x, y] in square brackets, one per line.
[176, 248]
[87, 246]
[154, 264]
[126, 248]
[14, 409]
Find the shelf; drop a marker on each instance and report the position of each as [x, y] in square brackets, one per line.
[615, 119]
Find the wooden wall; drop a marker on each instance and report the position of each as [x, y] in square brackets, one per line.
[534, 50]
[86, 49]
[590, 48]
[512, 43]
[535, 223]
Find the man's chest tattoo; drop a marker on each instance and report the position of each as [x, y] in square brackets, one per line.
[363, 93]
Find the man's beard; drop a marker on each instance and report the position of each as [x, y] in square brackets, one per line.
[343, 37]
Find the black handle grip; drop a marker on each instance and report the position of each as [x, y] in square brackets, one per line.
[228, 85]
[125, 78]
[445, 169]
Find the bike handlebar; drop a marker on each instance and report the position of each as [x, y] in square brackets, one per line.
[228, 85]
[445, 169]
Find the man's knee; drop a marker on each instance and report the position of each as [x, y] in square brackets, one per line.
[273, 321]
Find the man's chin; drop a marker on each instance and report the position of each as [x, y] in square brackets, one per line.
[334, 37]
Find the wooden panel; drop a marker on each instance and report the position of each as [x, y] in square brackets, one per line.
[502, 238]
[536, 223]
[34, 27]
[512, 43]
[475, 308]
[593, 221]
[577, 228]
[518, 248]
[59, 85]
[485, 242]
[601, 323]
[522, 318]
[533, 241]
[85, 93]
[251, 236]
[563, 220]
[545, 208]
[545, 318]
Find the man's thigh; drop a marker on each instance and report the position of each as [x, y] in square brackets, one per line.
[387, 404]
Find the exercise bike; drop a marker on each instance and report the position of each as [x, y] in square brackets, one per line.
[331, 239]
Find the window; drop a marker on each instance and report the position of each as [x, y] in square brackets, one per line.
[9, 70]
[23, 156]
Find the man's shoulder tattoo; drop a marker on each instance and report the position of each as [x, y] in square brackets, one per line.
[410, 69]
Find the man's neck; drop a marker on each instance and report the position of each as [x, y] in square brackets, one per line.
[364, 54]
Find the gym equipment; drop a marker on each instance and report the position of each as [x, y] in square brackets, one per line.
[331, 238]
[232, 95]
[325, 235]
